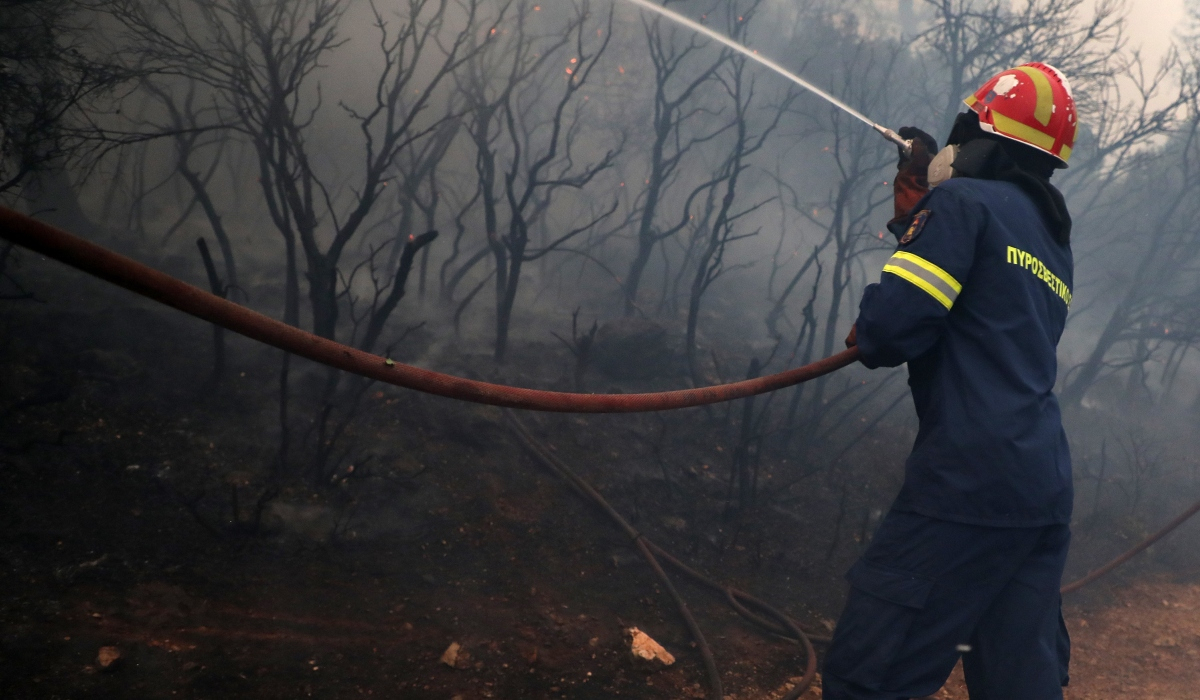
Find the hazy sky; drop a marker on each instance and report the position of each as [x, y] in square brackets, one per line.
[1153, 24]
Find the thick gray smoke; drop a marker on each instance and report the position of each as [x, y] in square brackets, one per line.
[584, 161]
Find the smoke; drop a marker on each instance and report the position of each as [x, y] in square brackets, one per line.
[592, 156]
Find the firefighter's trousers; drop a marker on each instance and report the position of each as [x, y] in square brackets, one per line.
[930, 591]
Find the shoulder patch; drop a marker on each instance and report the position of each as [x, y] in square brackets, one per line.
[916, 227]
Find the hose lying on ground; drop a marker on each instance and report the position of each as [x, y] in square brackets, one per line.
[148, 282]
[1134, 551]
[783, 625]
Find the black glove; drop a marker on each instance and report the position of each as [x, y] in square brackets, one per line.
[927, 142]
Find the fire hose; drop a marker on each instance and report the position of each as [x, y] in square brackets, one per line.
[124, 272]
[1134, 550]
[782, 625]
[141, 279]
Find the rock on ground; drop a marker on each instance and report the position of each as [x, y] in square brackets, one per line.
[645, 649]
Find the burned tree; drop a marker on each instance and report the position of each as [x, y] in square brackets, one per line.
[844, 218]
[973, 41]
[261, 61]
[684, 70]
[1154, 310]
[51, 75]
[721, 219]
[186, 132]
[532, 144]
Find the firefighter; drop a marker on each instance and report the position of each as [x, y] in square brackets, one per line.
[967, 563]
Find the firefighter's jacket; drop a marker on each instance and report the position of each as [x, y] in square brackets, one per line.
[975, 300]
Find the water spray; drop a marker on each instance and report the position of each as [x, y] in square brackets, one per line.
[905, 145]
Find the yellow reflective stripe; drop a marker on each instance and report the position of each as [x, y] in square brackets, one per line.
[926, 276]
[1014, 128]
[920, 283]
[1045, 94]
[926, 265]
[970, 100]
[1066, 153]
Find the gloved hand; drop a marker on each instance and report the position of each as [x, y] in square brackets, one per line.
[912, 180]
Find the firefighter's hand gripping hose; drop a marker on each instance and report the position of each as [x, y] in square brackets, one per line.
[146, 281]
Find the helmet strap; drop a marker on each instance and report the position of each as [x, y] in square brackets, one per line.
[966, 128]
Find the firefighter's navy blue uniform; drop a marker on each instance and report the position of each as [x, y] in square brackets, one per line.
[969, 561]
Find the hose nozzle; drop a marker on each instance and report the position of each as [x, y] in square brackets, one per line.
[905, 145]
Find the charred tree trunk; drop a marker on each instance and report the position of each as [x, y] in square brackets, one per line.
[322, 295]
[375, 326]
[214, 219]
[291, 316]
[219, 289]
[741, 455]
[508, 298]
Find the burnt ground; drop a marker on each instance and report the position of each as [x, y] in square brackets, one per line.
[128, 487]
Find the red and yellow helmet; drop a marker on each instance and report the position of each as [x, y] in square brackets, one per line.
[1032, 104]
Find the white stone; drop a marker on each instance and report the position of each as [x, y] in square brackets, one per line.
[450, 656]
[642, 646]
